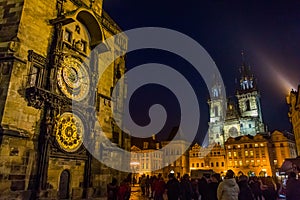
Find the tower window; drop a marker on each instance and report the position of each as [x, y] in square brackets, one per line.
[216, 109]
[247, 105]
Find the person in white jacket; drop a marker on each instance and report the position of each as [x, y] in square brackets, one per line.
[228, 189]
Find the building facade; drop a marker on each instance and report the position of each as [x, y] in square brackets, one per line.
[208, 158]
[228, 119]
[249, 155]
[146, 157]
[260, 155]
[293, 100]
[282, 147]
[47, 65]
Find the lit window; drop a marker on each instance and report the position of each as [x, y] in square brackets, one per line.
[235, 163]
[251, 153]
[229, 154]
[229, 147]
[275, 162]
[261, 144]
[239, 146]
[256, 145]
[246, 153]
[230, 163]
[241, 163]
[234, 154]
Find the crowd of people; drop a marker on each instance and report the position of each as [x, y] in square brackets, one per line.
[212, 187]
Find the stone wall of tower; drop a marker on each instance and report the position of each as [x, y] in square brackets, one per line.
[10, 15]
[20, 31]
[217, 115]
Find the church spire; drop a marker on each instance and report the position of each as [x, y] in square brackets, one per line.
[247, 80]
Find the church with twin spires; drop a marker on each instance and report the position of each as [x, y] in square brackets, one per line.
[231, 117]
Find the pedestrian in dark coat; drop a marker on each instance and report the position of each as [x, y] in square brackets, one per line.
[255, 187]
[173, 187]
[292, 187]
[112, 190]
[213, 186]
[186, 188]
[203, 187]
[245, 190]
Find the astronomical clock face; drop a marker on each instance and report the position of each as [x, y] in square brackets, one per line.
[73, 79]
[69, 132]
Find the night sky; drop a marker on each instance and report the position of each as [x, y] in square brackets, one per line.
[268, 32]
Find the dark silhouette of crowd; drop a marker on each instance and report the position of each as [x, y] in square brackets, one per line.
[209, 187]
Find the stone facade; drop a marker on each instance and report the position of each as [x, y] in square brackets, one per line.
[41, 44]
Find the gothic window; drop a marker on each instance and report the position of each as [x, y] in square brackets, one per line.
[216, 110]
[215, 92]
[247, 105]
[217, 136]
[251, 84]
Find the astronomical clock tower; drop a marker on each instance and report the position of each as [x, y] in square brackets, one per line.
[50, 98]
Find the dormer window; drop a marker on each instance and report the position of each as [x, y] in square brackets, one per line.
[146, 144]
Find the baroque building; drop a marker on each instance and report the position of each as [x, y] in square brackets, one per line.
[293, 100]
[208, 158]
[228, 119]
[50, 98]
[283, 147]
[146, 156]
[152, 157]
[260, 155]
[249, 155]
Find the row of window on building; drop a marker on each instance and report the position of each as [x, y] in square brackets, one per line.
[211, 164]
